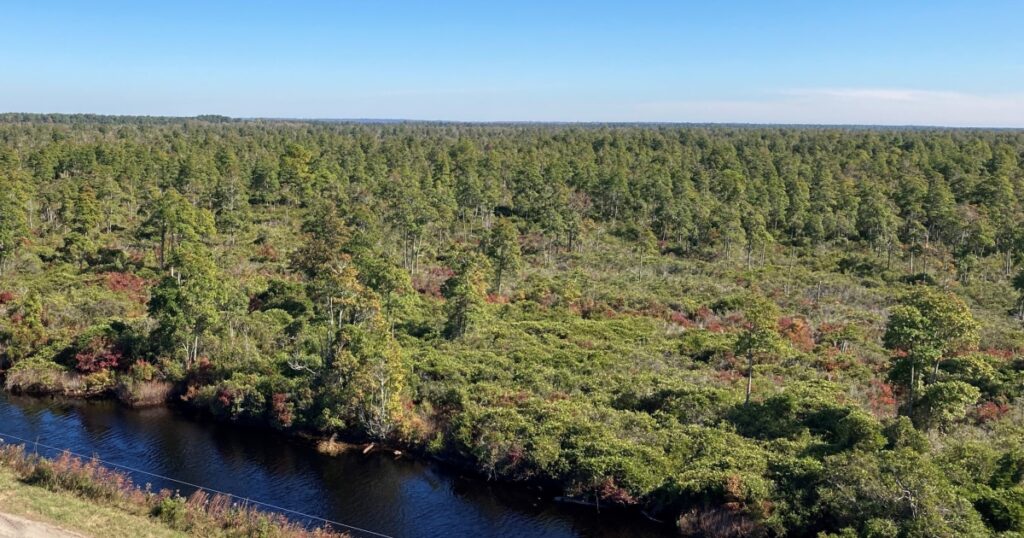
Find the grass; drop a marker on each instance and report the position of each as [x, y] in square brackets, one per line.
[75, 513]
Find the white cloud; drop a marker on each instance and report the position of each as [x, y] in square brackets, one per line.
[874, 106]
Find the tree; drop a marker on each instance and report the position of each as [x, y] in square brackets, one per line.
[327, 236]
[366, 380]
[941, 403]
[295, 174]
[1018, 284]
[758, 236]
[340, 297]
[898, 492]
[85, 216]
[876, 222]
[172, 220]
[927, 326]
[384, 277]
[464, 294]
[941, 209]
[502, 247]
[645, 244]
[230, 201]
[187, 303]
[13, 228]
[760, 339]
[25, 336]
[729, 228]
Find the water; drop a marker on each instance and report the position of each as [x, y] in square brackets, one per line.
[400, 498]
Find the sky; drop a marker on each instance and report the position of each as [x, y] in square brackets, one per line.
[896, 62]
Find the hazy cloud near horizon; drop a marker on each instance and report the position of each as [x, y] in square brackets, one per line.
[872, 106]
[863, 106]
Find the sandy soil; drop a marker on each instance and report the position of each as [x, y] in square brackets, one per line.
[19, 527]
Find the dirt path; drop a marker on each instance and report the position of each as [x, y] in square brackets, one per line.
[19, 527]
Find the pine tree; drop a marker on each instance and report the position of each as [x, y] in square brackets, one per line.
[13, 228]
[502, 247]
[464, 294]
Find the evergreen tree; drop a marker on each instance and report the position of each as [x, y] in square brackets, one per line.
[923, 330]
[502, 247]
[188, 303]
[464, 294]
[13, 228]
[760, 339]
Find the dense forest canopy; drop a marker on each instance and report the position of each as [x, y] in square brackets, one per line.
[742, 330]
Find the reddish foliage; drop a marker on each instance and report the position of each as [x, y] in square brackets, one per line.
[707, 319]
[548, 299]
[736, 319]
[589, 309]
[516, 454]
[202, 372]
[715, 327]
[798, 332]
[704, 313]
[1005, 354]
[609, 491]
[282, 411]
[680, 319]
[494, 298]
[513, 399]
[989, 411]
[430, 282]
[728, 376]
[267, 252]
[120, 281]
[6, 297]
[655, 309]
[99, 354]
[734, 487]
[557, 396]
[128, 283]
[882, 398]
[225, 397]
[826, 329]
[831, 360]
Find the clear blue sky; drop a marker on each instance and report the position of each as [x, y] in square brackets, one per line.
[879, 62]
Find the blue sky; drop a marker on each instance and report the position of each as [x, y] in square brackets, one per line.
[868, 62]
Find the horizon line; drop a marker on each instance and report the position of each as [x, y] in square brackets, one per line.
[368, 120]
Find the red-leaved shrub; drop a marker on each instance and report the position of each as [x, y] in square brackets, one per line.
[98, 354]
[798, 332]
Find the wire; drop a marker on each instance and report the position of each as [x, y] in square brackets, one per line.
[4, 436]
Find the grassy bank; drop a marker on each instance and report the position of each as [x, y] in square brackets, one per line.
[74, 513]
[85, 497]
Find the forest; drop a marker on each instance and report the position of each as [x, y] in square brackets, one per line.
[738, 330]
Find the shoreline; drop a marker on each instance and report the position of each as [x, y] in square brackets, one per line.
[550, 492]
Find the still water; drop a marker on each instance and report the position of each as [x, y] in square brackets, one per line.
[399, 498]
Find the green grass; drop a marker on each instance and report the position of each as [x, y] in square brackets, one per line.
[74, 513]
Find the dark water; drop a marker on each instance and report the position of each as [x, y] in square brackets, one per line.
[399, 498]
